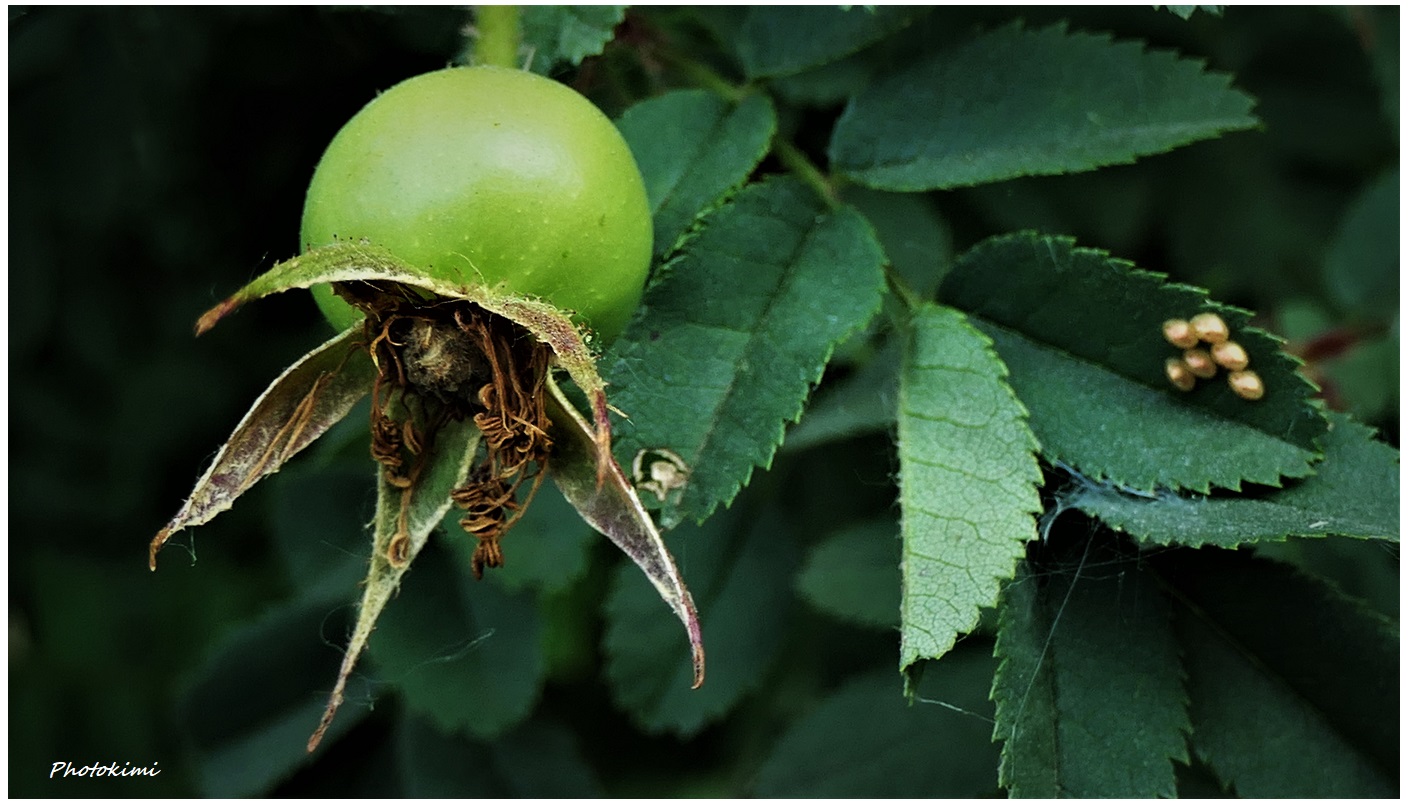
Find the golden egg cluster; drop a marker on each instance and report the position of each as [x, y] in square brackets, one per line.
[1197, 362]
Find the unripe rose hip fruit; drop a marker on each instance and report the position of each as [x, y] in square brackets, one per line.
[489, 175]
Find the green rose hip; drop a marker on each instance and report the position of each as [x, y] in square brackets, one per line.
[482, 174]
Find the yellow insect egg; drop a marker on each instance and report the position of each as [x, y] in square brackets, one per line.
[1246, 385]
[1230, 355]
[1200, 364]
[1179, 333]
[1210, 327]
[1179, 375]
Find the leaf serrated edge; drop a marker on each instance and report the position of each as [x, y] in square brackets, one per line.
[1236, 317]
[1031, 450]
[664, 253]
[672, 514]
[859, 173]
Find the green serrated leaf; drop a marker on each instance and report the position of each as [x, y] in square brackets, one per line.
[435, 765]
[779, 40]
[1362, 267]
[1185, 12]
[736, 331]
[863, 402]
[463, 653]
[968, 482]
[917, 240]
[864, 740]
[1015, 103]
[693, 147]
[1283, 670]
[1081, 335]
[1355, 493]
[248, 708]
[541, 759]
[1089, 698]
[558, 34]
[854, 575]
[737, 568]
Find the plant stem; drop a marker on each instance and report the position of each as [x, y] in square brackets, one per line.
[792, 158]
[797, 162]
[498, 41]
[902, 290]
[705, 77]
[790, 155]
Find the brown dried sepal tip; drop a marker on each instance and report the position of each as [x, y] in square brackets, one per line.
[1230, 355]
[1179, 375]
[1210, 327]
[1179, 333]
[1199, 363]
[1246, 385]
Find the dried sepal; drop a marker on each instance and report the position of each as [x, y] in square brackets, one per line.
[310, 396]
[447, 363]
[404, 520]
[353, 263]
[613, 509]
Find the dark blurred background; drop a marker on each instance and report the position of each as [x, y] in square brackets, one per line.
[158, 159]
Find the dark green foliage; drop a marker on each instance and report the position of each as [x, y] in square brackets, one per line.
[1081, 333]
[771, 285]
[1354, 493]
[1269, 654]
[467, 658]
[1362, 264]
[556, 35]
[779, 40]
[1089, 698]
[739, 574]
[693, 148]
[277, 668]
[903, 330]
[864, 720]
[1035, 102]
[854, 575]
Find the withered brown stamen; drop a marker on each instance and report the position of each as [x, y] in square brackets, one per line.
[430, 356]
